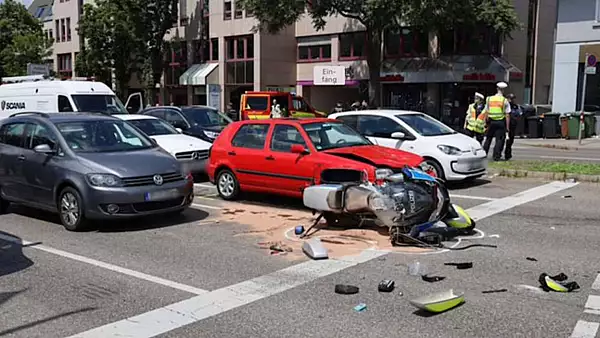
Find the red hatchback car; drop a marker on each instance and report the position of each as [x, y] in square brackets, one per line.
[284, 156]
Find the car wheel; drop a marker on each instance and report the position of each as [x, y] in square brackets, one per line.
[228, 186]
[70, 209]
[4, 204]
[439, 172]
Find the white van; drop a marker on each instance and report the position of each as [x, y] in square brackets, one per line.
[32, 93]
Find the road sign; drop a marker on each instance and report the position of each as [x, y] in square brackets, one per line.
[591, 60]
[590, 70]
[37, 69]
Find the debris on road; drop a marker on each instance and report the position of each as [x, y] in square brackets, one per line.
[567, 196]
[432, 279]
[416, 269]
[360, 307]
[299, 230]
[314, 249]
[275, 247]
[461, 266]
[344, 289]
[529, 288]
[494, 236]
[531, 259]
[495, 291]
[557, 283]
[386, 285]
[439, 302]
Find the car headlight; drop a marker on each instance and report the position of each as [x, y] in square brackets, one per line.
[104, 180]
[210, 134]
[380, 174]
[449, 150]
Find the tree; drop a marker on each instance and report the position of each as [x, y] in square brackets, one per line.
[110, 42]
[22, 39]
[377, 16]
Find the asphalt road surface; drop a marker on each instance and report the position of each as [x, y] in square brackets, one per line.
[554, 154]
[196, 276]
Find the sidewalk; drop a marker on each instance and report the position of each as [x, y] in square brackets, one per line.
[588, 143]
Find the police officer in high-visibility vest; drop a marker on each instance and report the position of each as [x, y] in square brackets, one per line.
[497, 109]
[475, 119]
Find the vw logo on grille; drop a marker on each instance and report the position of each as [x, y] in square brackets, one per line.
[195, 155]
[474, 150]
[158, 180]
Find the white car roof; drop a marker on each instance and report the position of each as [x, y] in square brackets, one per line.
[380, 112]
[71, 87]
[128, 117]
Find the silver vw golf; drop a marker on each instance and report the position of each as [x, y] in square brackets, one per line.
[87, 167]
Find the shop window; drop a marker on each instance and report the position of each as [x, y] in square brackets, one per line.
[227, 10]
[318, 53]
[239, 72]
[353, 45]
[405, 42]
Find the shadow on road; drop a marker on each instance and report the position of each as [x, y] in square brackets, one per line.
[42, 321]
[467, 184]
[12, 258]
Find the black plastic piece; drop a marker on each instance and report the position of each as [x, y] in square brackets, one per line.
[346, 289]
[386, 285]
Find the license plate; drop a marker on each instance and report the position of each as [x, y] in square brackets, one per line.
[161, 195]
[474, 166]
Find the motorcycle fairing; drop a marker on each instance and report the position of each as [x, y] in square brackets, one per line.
[417, 175]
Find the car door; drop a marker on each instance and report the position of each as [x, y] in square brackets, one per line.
[12, 160]
[134, 103]
[379, 130]
[288, 171]
[41, 171]
[247, 153]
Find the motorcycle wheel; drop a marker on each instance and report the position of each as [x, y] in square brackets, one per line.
[341, 220]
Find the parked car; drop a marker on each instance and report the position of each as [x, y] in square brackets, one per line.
[453, 156]
[190, 151]
[284, 156]
[87, 167]
[199, 121]
[257, 105]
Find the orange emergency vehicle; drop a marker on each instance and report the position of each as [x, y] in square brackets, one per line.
[257, 105]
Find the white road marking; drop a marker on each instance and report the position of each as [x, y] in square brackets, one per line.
[174, 316]
[571, 158]
[204, 206]
[107, 266]
[596, 284]
[585, 329]
[468, 197]
[500, 205]
[204, 185]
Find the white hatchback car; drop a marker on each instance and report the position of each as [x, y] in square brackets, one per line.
[191, 152]
[454, 156]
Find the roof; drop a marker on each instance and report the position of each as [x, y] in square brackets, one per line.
[73, 117]
[292, 120]
[75, 87]
[380, 112]
[128, 117]
[41, 9]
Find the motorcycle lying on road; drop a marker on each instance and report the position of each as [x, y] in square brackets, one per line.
[414, 206]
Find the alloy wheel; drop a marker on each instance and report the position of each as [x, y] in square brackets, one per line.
[69, 209]
[226, 184]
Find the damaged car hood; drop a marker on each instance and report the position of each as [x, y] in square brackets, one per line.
[377, 156]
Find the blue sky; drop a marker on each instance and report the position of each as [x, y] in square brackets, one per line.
[25, 2]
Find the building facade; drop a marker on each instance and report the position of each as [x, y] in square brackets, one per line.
[577, 34]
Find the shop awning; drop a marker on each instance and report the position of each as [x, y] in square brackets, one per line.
[464, 68]
[196, 75]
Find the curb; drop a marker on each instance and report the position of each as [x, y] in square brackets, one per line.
[554, 176]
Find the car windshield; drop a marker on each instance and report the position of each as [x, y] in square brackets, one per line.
[206, 117]
[108, 104]
[330, 135]
[103, 136]
[426, 125]
[154, 127]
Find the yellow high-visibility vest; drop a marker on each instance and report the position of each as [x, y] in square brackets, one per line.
[496, 105]
[475, 123]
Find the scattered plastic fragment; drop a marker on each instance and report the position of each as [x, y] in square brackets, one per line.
[531, 259]
[553, 228]
[530, 288]
[417, 269]
[432, 279]
[439, 302]
[495, 291]
[343, 289]
[494, 236]
[570, 180]
[360, 307]
[567, 196]
[299, 230]
[386, 285]
[461, 266]
[557, 283]
[314, 249]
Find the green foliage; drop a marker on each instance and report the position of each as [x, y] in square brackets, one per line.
[22, 39]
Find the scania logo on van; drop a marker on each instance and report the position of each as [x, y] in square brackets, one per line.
[11, 105]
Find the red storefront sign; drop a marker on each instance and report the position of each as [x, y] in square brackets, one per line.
[516, 75]
[479, 77]
[392, 78]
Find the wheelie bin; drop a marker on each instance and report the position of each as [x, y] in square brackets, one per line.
[534, 127]
[564, 126]
[551, 125]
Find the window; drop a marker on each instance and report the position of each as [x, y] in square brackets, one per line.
[12, 134]
[249, 13]
[284, 137]
[175, 119]
[405, 42]
[470, 41]
[227, 10]
[597, 10]
[63, 104]
[154, 127]
[103, 136]
[50, 35]
[300, 105]
[239, 67]
[251, 136]
[68, 24]
[214, 49]
[41, 135]
[178, 54]
[425, 125]
[205, 117]
[317, 53]
[378, 126]
[39, 12]
[63, 31]
[333, 135]
[57, 29]
[160, 113]
[353, 45]
[240, 48]
[108, 104]
[349, 120]
[205, 51]
[257, 103]
[239, 12]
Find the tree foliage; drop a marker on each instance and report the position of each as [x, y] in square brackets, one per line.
[379, 15]
[22, 39]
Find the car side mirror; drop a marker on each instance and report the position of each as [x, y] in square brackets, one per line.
[399, 135]
[153, 141]
[179, 130]
[298, 149]
[44, 149]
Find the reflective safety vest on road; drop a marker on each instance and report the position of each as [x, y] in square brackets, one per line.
[475, 123]
[496, 105]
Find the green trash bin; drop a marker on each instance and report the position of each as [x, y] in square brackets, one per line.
[590, 125]
[573, 126]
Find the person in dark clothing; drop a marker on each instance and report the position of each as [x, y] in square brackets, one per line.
[497, 109]
[515, 116]
[339, 107]
[231, 112]
[355, 106]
